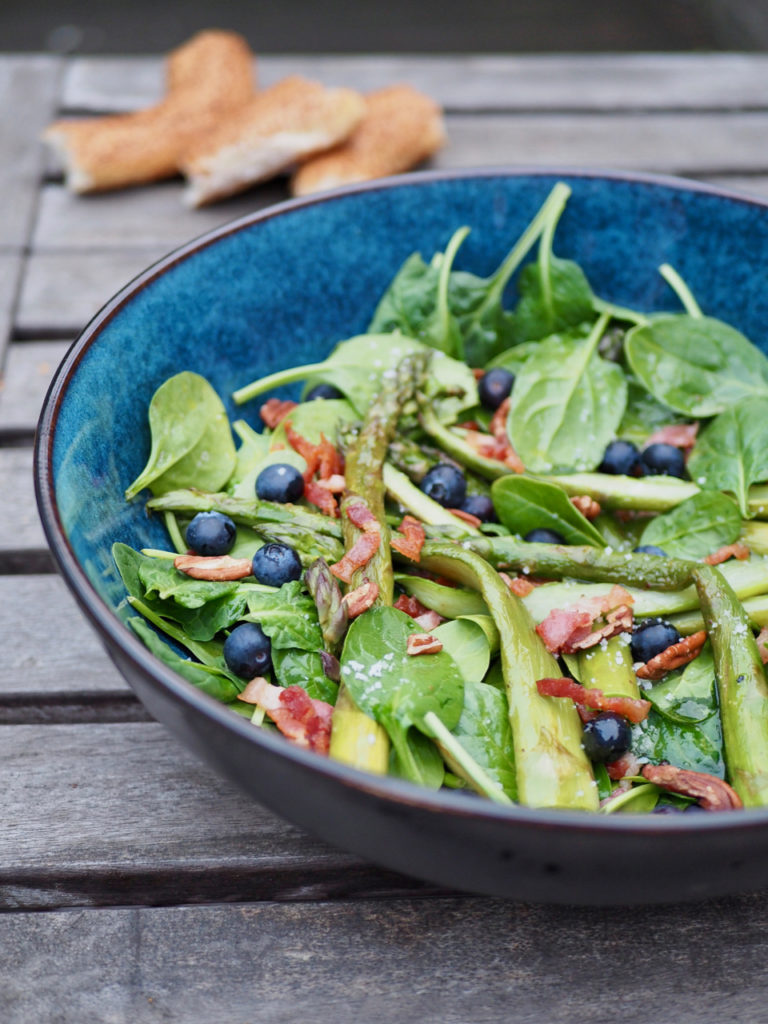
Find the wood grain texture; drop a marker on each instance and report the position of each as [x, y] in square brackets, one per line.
[471, 82]
[10, 275]
[21, 530]
[449, 960]
[29, 368]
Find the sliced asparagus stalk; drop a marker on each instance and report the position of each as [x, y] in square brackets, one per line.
[420, 504]
[691, 622]
[742, 687]
[649, 493]
[608, 667]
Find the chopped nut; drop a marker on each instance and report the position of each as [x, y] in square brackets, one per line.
[762, 644]
[214, 567]
[710, 792]
[335, 483]
[423, 643]
[361, 598]
[428, 620]
[675, 656]
[588, 507]
[467, 517]
[253, 691]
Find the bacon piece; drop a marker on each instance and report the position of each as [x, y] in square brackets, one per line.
[519, 585]
[360, 554]
[629, 707]
[467, 517]
[570, 629]
[361, 516]
[498, 424]
[679, 435]
[762, 644]
[675, 656]
[305, 449]
[214, 567]
[623, 766]
[423, 643]
[737, 550]
[361, 598]
[429, 620]
[711, 793]
[477, 372]
[588, 507]
[410, 605]
[305, 721]
[329, 460]
[275, 410]
[412, 540]
[321, 497]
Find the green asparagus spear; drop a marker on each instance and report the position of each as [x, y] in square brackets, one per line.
[741, 684]
[608, 667]
[552, 768]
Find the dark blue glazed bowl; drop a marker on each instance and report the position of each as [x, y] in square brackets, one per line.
[280, 288]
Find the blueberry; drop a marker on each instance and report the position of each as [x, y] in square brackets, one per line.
[620, 458]
[667, 809]
[651, 638]
[541, 535]
[279, 482]
[662, 460]
[322, 391]
[606, 737]
[480, 505]
[248, 651]
[494, 386]
[210, 533]
[445, 484]
[650, 549]
[276, 564]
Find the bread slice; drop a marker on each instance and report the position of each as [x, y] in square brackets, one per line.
[278, 127]
[208, 76]
[401, 128]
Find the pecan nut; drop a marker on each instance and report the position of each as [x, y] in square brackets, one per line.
[675, 656]
[214, 567]
[361, 598]
[423, 643]
[710, 792]
[588, 507]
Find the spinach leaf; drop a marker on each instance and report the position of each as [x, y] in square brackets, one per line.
[644, 414]
[524, 504]
[467, 643]
[423, 762]
[288, 617]
[251, 453]
[207, 678]
[567, 403]
[731, 453]
[665, 735]
[554, 295]
[408, 301]
[303, 668]
[394, 688]
[192, 442]
[696, 527]
[484, 731]
[696, 365]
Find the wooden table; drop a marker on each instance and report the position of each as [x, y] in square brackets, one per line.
[167, 896]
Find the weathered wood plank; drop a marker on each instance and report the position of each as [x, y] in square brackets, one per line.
[29, 87]
[22, 531]
[29, 368]
[451, 960]
[10, 275]
[636, 81]
[122, 814]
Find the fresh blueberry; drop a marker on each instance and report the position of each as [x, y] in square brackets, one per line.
[693, 809]
[668, 809]
[445, 484]
[279, 482]
[650, 549]
[651, 638]
[541, 535]
[322, 391]
[620, 458]
[480, 505]
[662, 460]
[248, 651]
[276, 564]
[606, 737]
[210, 533]
[494, 386]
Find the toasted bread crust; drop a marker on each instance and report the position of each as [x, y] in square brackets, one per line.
[207, 77]
[276, 128]
[401, 128]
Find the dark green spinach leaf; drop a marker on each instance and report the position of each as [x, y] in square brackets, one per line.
[523, 504]
[695, 528]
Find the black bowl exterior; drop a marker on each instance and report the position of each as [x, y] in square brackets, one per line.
[254, 296]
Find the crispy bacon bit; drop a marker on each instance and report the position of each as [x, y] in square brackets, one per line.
[623, 766]
[361, 516]
[679, 435]
[675, 656]
[410, 605]
[588, 507]
[423, 643]
[304, 447]
[478, 372]
[468, 425]
[630, 707]
[329, 460]
[570, 629]
[467, 517]
[252, 691]
[361, 598]
[499, 420]
[305, 721]
[519, 585]
[360, 554]
[762, 644]
[737, 550]
[321, 497]
[275, 410]
[711, 793]
[214, 567]
[321, 458]
[412, 540]
[429, 620]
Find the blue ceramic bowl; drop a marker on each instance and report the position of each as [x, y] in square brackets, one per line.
[280, 288]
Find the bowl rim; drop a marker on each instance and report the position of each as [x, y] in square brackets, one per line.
[114, 631]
